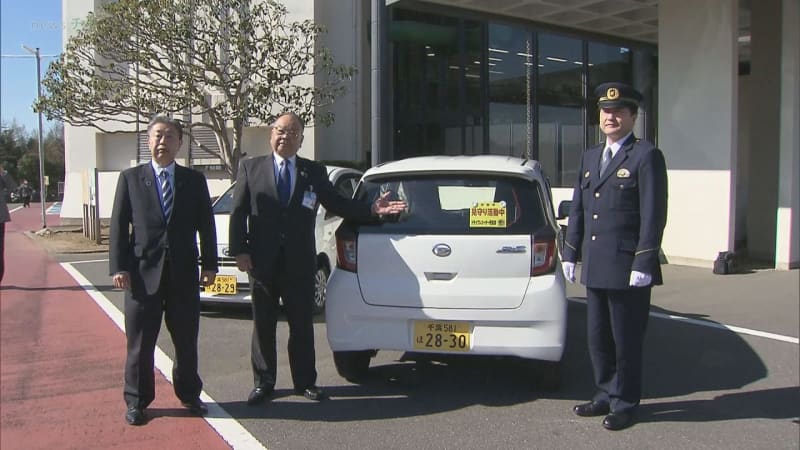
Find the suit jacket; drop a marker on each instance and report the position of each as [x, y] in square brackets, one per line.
[260, 226]
[141, 238]
[616, 221]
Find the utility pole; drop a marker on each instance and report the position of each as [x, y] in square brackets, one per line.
[42, 187]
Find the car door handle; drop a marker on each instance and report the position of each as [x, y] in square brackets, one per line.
[440, 276]
[509, 249]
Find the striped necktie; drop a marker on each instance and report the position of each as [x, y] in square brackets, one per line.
[166, 194]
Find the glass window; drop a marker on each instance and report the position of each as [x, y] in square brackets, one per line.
[224, 204]
[606, 63]
[462, 86]
[459, 204]
[560, 107]
[437, 84]
[510, 61]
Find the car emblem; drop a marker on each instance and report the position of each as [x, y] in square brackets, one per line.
[442, 250]
[226, 251]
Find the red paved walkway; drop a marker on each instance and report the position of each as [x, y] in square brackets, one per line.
[61, 363]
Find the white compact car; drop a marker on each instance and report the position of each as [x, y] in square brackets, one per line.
[232, 286]
[471, 267]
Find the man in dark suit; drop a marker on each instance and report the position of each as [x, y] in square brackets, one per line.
[159, 208]
[616, 221]
[272, 237]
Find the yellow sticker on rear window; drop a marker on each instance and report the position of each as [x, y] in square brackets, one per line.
[488, 215]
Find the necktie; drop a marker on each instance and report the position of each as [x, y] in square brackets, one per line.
[605, 160]
[166, 194]
[284, 184]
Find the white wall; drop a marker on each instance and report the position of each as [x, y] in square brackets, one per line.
[347, 24]
[787, 245]
[300, 10]
[116, 151]
[697, 125]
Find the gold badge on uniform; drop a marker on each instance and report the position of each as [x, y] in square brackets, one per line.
[586, 175]
[623, 173]
[612, 93]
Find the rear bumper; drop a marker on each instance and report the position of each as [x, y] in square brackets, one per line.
[535, 330]
[241, 298]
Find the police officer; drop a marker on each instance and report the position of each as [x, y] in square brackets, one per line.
[616, 221]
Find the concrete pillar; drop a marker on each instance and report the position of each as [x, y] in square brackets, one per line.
[765, 95]
[697, 120]
[787, 242]
[80, 146]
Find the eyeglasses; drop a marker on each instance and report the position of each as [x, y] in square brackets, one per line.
[284, 132]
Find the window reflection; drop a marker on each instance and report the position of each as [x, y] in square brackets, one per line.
[463, 86]
[437, 84]
[607, 63]
[560, 107]
[510, 72]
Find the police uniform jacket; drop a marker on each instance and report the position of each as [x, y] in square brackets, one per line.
[616, 221]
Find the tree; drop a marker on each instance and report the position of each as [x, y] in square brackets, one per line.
[19, 154]
[234, 63]
[15, 142]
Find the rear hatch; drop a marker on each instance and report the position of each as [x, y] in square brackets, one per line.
[465, 242]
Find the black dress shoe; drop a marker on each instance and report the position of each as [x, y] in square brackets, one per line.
[618, 420]
[591, 409]
[134, 416]
[196, 407]
[258, 395]
[312, 392]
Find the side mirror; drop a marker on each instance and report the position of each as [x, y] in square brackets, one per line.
[563, 209]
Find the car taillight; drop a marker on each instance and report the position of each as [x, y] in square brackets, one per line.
[543, 259]
[346, 252]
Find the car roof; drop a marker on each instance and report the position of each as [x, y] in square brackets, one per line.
[509, 165]
[332, 169]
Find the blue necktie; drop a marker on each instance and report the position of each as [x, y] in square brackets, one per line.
[284, 184]
[166, 194]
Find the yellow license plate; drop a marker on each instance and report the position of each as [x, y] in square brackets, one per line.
[442, 336]
[223, 285]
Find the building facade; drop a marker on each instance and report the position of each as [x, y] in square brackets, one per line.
[516, 77]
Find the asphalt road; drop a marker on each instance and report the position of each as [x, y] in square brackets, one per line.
[705, 386]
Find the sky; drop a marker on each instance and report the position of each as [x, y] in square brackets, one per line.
[34, 23]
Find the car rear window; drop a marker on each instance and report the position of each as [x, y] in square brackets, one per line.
[459, 204]
[224, 204]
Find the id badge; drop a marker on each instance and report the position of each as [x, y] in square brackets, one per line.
[310, 200]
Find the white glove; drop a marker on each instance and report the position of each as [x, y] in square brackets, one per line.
[639, 279]
[569, 271]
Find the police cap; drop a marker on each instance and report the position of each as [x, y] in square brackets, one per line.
[614, 95]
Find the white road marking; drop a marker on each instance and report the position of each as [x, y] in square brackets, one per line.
[88, 261]
[231, 431]
[721, 326]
